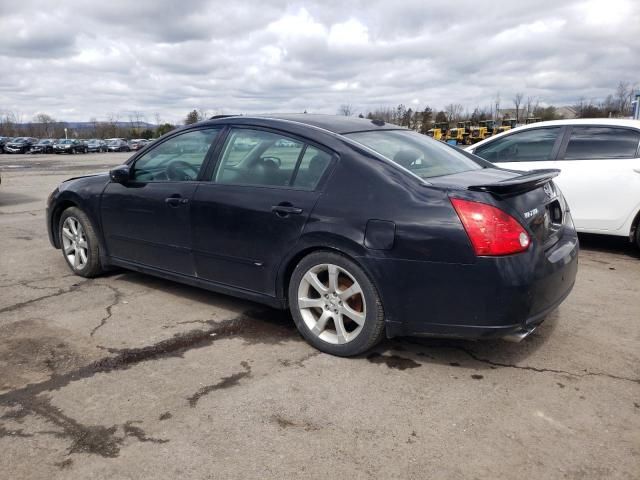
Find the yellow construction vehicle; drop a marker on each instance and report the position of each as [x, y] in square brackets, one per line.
[532, 120]
[439, 131]
[485, 129]
[460, 133]
[507, 124]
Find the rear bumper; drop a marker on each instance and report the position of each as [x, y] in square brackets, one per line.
[491, 298]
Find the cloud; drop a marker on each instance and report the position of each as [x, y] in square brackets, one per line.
[77, 60]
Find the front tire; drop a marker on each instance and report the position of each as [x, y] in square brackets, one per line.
[335, 305]
[79, 243]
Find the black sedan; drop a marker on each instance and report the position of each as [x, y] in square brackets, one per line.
[3, 141]
[43, 146]
[118, 145]
[96, 146]
[70, 146]
[20, 145]
[360, 228]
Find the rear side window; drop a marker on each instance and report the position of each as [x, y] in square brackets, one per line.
[256, 157]
[312, 167]
[418, 153]
[590, 143]
[535, 145]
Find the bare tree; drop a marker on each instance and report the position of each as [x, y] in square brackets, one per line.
[43, 125]
[113, 120]
[345, 109]
[623, 96]
[517, 101]
[453, 110]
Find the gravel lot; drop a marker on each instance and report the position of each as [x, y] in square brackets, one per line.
[128, 376]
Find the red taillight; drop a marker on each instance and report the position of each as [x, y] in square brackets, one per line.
[491, 231]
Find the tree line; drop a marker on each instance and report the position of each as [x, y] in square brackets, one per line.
[520, 107]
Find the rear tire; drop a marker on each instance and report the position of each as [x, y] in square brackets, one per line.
[79, 243]
[335, 305]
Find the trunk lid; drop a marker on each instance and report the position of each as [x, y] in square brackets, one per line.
[531, 198]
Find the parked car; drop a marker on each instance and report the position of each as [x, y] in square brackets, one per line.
[599, 161]
[138, 143]
[96, 145]
[362, 228]
[20, 145]
[44, 145]
[3, 141]
[118, 145]
[70, 146]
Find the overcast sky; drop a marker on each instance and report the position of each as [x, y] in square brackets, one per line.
[81, 59]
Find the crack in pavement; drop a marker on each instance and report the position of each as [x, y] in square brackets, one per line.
[61, 291]
[225, 382]
[546, 370]
[28, 283]
[31, 212]
[109, 309]
[487, 361]
[257, 326]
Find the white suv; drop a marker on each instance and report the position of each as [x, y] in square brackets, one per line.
[599, 161]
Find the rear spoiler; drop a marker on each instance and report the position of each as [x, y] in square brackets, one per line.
[523, 183]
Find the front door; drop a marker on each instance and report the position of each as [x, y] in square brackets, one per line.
[254, 207]
[147, 220]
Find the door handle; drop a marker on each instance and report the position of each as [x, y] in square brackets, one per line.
[285, 210]
[637, 170]
[176, 201]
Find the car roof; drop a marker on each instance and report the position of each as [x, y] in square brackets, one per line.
[619, 122]
[339, 124]
[624, 122]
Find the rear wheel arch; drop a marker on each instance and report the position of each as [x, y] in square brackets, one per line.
[338, 245]
[634, 233]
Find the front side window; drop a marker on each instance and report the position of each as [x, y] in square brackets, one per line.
[421, 155]
[179, 158]
[535, 145]
[256, 157]
[587, 143]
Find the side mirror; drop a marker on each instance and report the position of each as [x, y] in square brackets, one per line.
[121, 174]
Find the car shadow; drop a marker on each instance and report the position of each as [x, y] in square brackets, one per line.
[465, 354]
[609, 244]
[181, 290]
[396, 353]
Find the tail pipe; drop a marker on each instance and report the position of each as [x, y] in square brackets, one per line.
[519, 335]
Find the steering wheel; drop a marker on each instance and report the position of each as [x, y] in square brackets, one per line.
[181, 170]
[265, 160]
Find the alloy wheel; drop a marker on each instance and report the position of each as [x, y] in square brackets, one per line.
[331, 303]
[74, 243]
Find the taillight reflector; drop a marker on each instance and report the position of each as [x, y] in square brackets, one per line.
[492, 232]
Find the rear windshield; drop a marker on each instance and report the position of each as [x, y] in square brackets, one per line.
[418, 153]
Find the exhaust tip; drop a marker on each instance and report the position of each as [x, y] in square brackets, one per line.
[519, 335]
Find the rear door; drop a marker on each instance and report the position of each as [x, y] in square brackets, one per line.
[254, 206]
[601, 176]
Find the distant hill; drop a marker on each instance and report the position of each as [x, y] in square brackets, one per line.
[91, 125]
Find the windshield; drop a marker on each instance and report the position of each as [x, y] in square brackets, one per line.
[418, 153]
[44, 142]
[114, 142]
[19, 139]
